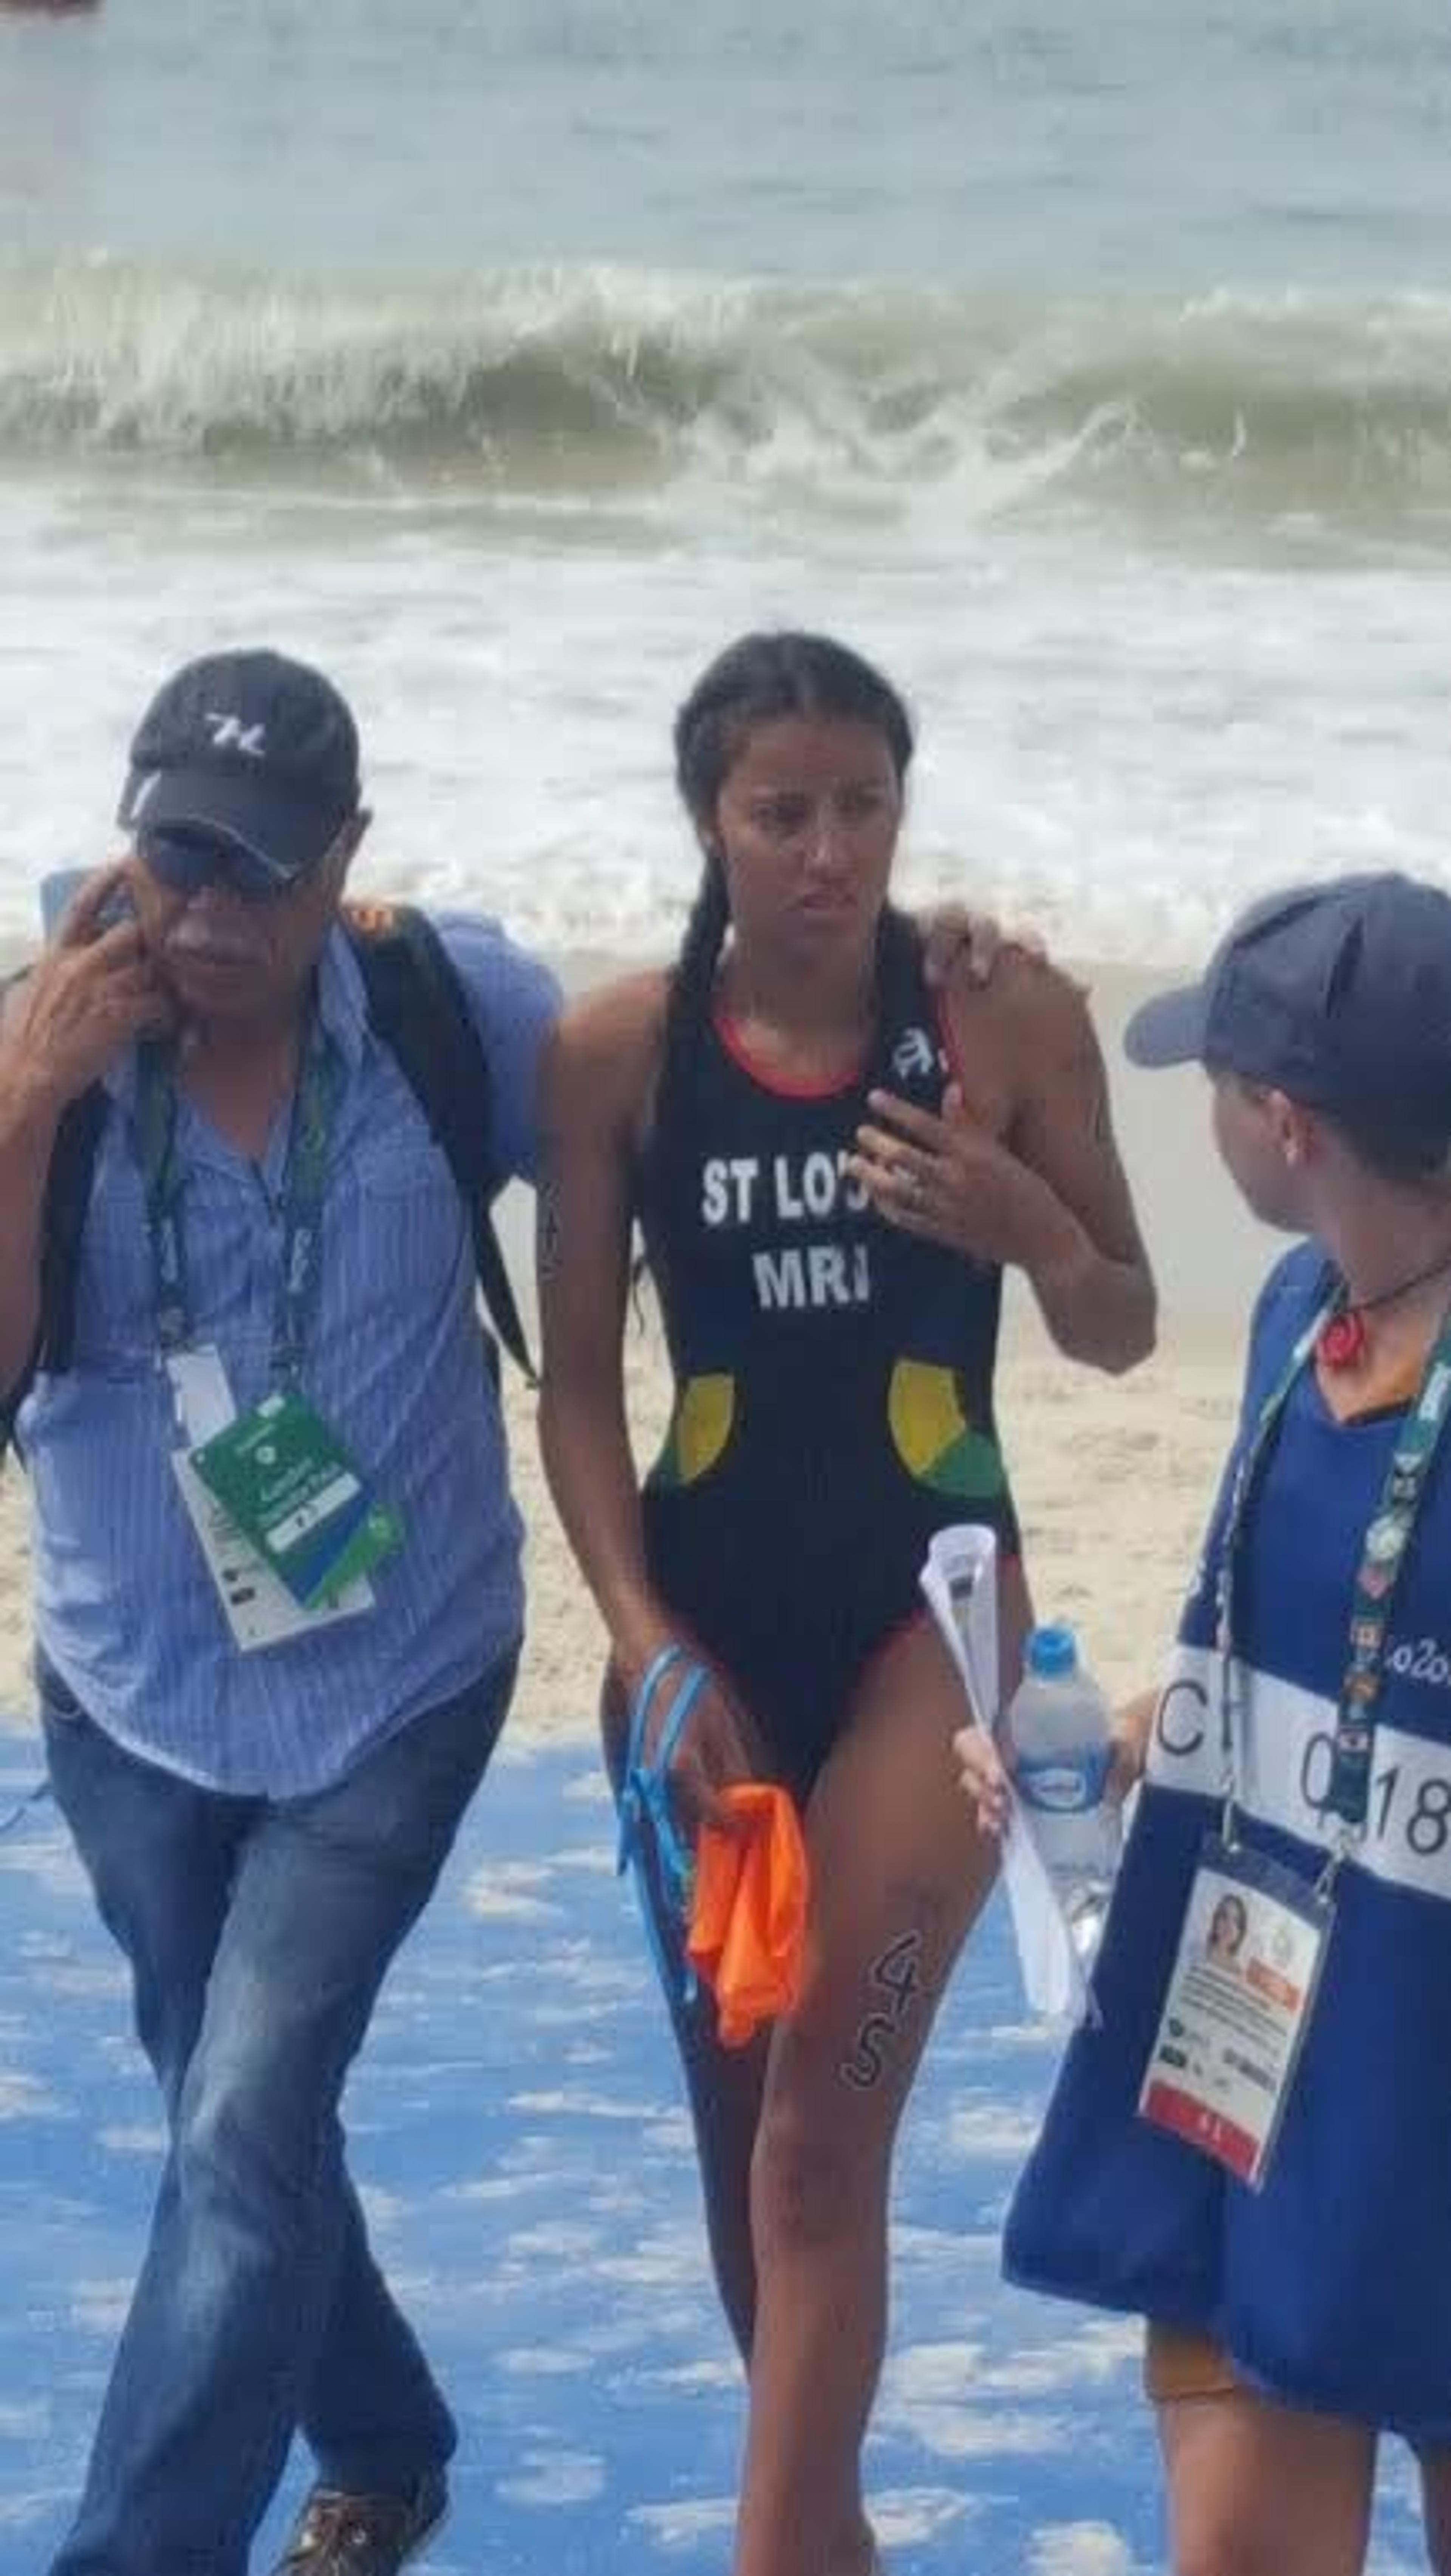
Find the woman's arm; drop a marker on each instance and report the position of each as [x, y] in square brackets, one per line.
[598, 1075]
[1092, 1278]
[597, 1072]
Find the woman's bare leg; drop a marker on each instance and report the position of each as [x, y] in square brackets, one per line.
[898, 1875]
[724, 2085]
[1257, 2489]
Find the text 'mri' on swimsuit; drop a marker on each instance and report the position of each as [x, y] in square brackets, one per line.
[833, 1379]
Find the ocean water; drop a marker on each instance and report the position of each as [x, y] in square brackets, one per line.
[1090, 368]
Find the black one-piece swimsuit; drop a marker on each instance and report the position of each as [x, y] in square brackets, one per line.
[833, 1383]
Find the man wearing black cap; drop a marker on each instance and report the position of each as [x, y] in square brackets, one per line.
[278, 1590]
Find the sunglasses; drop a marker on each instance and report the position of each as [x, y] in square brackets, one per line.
[186, 857]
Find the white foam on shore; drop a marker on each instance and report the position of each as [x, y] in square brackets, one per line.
[1121, 736]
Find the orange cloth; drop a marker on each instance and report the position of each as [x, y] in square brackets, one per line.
[747, 1935]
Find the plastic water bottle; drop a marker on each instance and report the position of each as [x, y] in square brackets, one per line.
[1060, 1729]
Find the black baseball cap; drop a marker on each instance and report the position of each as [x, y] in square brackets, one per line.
[252, 746]
[1338, 994]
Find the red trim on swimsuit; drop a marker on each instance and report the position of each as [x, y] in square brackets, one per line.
[728, 1032]
[1009, 1559]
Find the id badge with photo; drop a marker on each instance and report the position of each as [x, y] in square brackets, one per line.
[1237, 2008]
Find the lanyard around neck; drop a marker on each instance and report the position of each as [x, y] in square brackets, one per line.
[1384, 1548]
[314, 1115]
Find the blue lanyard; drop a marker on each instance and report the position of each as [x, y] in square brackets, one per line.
[314, 1116]
[1384, 1549]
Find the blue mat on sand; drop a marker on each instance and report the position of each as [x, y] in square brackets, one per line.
[520, 2140]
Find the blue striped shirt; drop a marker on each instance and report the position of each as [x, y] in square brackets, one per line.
[396, 1362]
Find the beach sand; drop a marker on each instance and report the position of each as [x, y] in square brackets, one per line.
[1114, 1477]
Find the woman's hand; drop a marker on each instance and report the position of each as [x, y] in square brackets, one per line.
[984, 1777]
[947, 1178]
[716, 1745]
[1132, 1728]
[986, 1771]
[714, 1749]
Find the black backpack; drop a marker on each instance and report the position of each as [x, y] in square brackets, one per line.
[417, 1006]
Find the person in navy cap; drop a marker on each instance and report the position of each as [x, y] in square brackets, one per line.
[263, 1788]
[1258, 2164]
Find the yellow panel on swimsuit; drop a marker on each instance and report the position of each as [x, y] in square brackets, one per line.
[705, 1411]
[933, 1437]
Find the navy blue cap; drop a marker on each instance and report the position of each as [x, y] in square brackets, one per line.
[252, 746]
[1338, 994]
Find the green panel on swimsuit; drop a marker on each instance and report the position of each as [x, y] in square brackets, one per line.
[933, 1437]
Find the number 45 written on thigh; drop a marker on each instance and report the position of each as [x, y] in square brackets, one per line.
[896, 1974]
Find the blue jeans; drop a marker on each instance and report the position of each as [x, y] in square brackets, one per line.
[258, 1937]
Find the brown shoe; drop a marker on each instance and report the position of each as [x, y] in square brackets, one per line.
[363, 2535]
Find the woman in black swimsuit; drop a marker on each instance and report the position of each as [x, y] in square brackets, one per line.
[830, 1165]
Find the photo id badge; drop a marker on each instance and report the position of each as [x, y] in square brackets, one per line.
[1237, 2009]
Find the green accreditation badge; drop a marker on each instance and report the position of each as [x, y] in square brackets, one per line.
[287, 1484]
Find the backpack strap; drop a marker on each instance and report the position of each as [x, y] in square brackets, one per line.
[419, 1009]
[63, 1222]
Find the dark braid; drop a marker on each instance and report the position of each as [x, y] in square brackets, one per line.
[692, 979]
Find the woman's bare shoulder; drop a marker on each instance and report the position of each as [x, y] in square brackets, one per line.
[606, 1043]
[1028, 1015]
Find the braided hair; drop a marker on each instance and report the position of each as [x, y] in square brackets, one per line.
[759, 680]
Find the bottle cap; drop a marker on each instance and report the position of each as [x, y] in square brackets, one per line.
[1052, 1652]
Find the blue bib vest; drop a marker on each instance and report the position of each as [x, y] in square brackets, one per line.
[1330, 2286]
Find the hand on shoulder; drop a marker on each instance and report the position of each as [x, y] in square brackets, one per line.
[1023, 988]
[956, 938]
